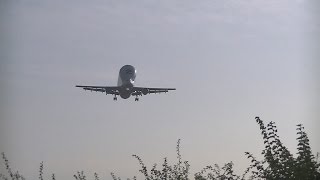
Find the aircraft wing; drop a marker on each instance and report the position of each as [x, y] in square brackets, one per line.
[104, 89]
[146, 90]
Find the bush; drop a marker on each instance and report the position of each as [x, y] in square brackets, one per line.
[277, 163]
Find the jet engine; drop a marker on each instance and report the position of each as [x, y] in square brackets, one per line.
[145, 91]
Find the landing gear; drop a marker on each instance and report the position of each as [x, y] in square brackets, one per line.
[115, 98]
[136, 99]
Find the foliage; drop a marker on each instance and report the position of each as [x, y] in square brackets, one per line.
[16, 175]
[12, 175]
[178, 171]
[213, 173]
[277, 163]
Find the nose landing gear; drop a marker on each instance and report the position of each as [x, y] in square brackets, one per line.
[136, 99]
[115, 98]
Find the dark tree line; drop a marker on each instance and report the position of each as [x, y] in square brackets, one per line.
[277, 163]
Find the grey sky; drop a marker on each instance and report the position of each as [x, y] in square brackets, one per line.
[229, 60]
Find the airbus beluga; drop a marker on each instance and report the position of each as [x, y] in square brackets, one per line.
[126, 88]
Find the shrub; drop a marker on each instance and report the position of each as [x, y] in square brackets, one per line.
[178, 171]
[277, 163]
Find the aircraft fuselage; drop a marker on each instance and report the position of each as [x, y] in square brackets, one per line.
[127, 75]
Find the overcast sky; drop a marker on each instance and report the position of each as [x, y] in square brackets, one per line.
[229, 60]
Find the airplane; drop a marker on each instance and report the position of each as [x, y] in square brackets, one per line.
[126, 88]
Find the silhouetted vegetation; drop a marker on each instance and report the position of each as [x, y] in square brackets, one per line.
[277, 163]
